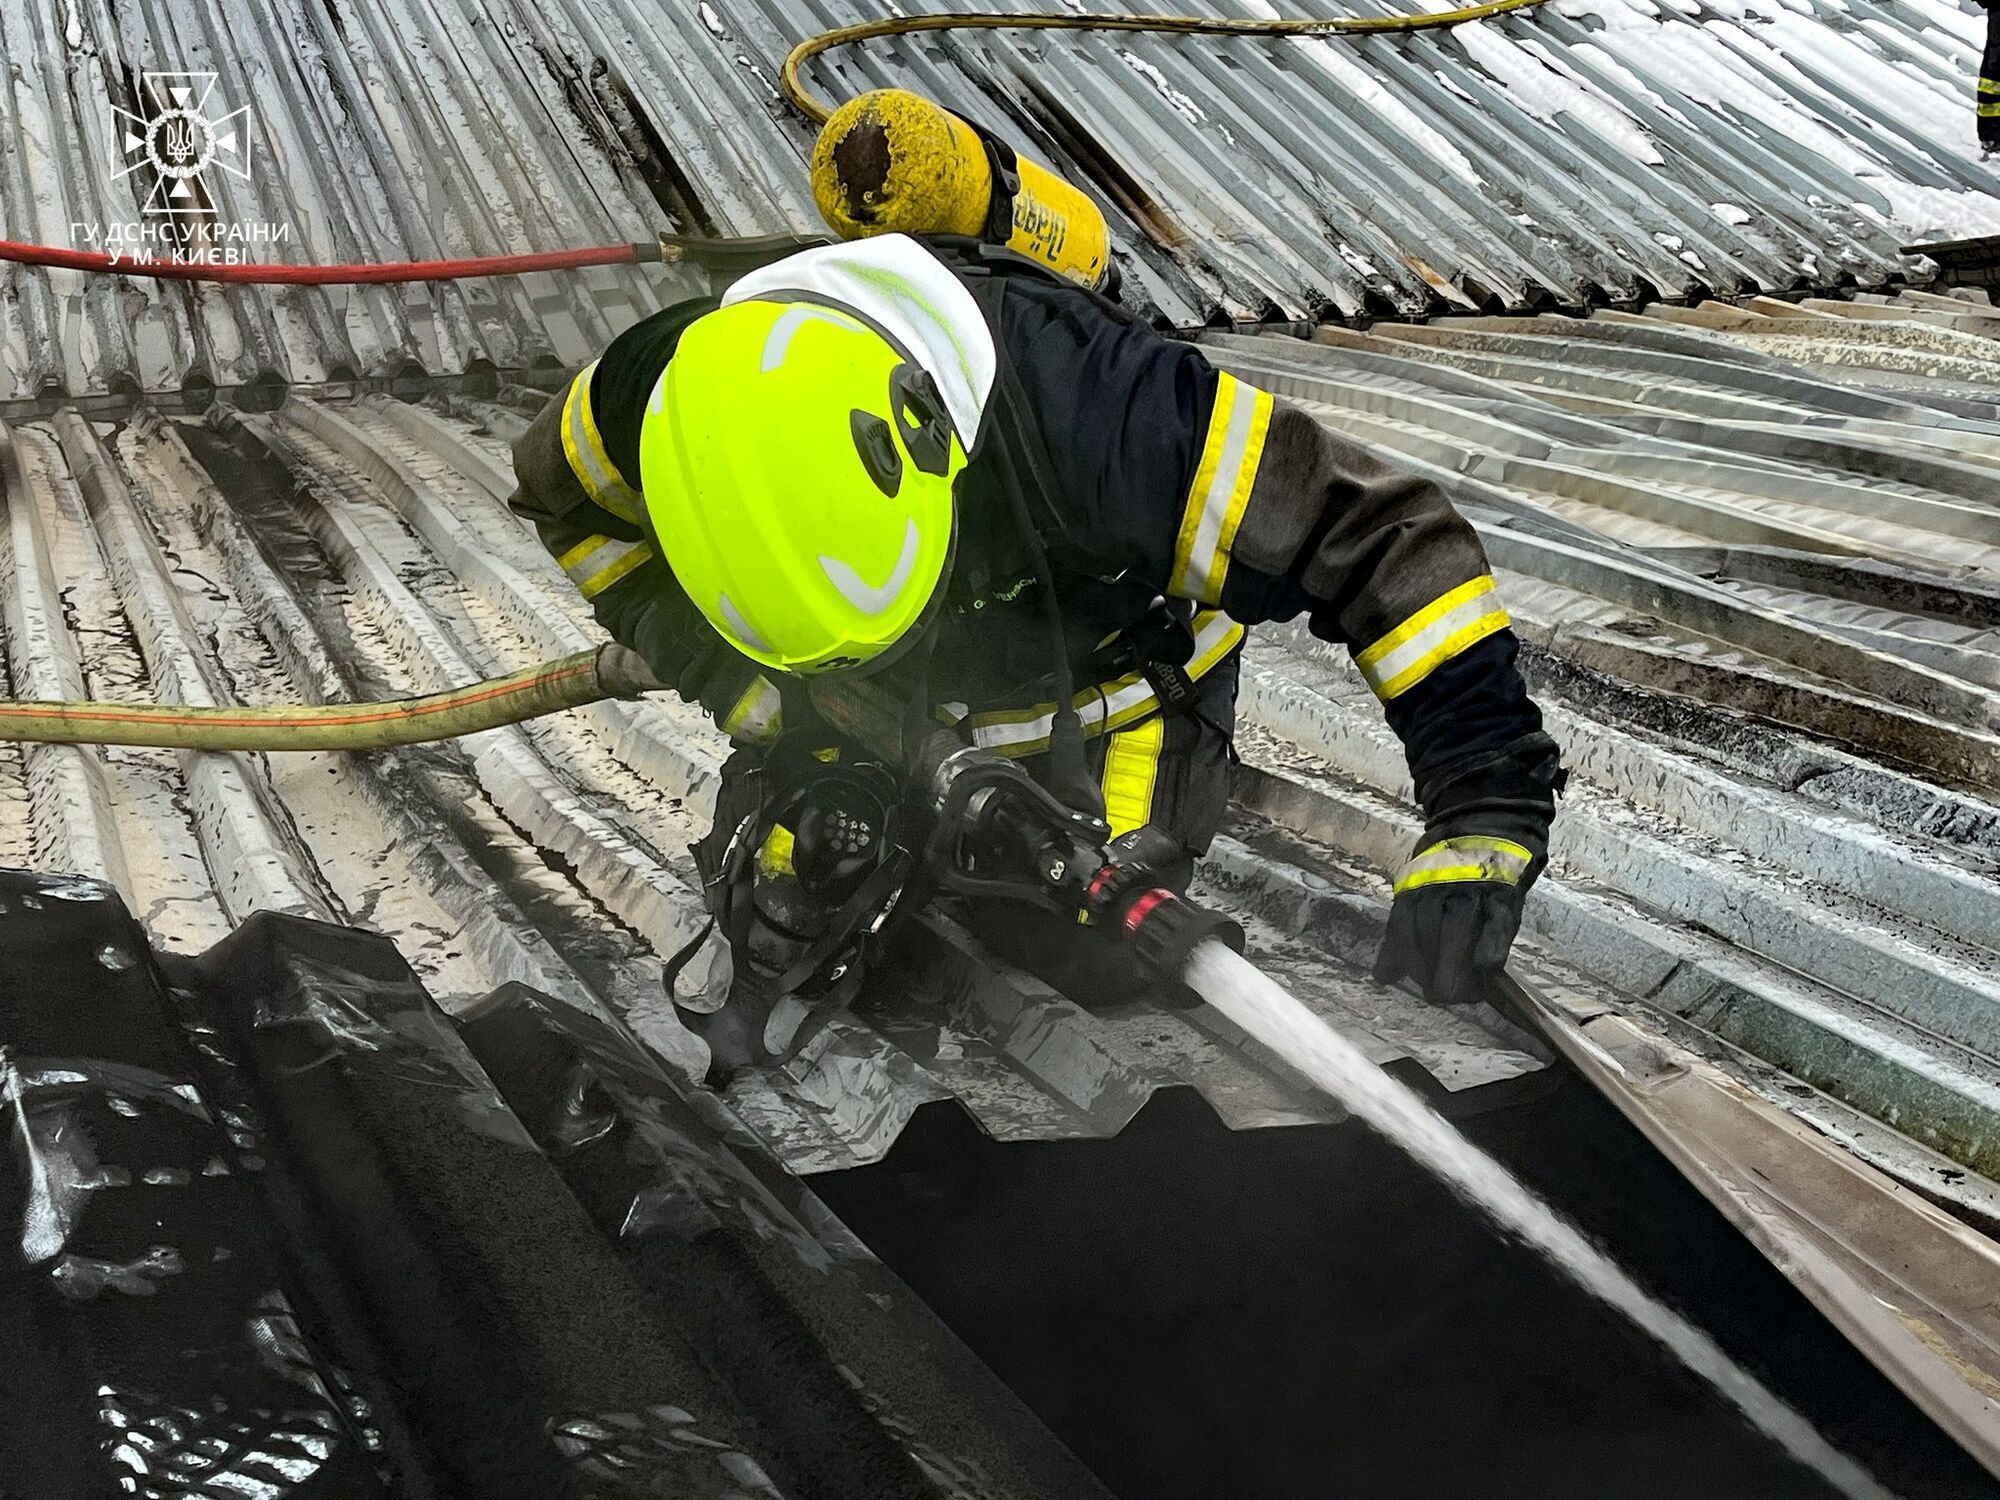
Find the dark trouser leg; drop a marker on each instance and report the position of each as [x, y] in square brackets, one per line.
[1170, 773]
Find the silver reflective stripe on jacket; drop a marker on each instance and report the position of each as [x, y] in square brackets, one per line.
[1109, 705]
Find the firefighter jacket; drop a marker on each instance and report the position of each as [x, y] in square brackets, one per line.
[1148, 476]
[1987, 105]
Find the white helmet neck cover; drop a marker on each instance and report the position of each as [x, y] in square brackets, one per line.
[907, 294]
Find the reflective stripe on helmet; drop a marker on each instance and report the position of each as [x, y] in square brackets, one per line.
[778, 342]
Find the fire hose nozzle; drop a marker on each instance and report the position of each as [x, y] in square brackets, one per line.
[1163, 929]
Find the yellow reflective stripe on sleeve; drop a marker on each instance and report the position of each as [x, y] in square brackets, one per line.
[1131, 770]
[587, 459]
[597, 562]
[1107, 705]
[1989, 111]
[1989, 85]
[758, 714]
[1221, 490]
[636, 557]
[1468, 857]
[1432, 636]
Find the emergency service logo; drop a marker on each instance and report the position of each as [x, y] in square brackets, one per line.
[172, 153]
[180, 141]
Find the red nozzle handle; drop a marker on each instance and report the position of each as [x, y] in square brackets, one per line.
[1164, 929]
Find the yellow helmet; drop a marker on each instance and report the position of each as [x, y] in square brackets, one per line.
[798, 472]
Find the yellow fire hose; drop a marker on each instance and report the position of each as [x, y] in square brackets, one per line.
[588, 677]
[819, 114]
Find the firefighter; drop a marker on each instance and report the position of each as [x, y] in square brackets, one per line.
[1989, 82]
[931, 462]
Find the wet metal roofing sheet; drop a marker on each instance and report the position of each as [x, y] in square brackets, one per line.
[1782, 520]
[332, 550]
[1749, 552]
[1753, 548]
[1754, 564]
[1587, 150]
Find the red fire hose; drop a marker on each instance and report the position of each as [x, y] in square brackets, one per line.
[729, 256]
[352, 275]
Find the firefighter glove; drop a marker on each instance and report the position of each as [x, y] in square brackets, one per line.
[1458, 901]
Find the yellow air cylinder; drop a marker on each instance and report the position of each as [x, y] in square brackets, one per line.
[892, 162]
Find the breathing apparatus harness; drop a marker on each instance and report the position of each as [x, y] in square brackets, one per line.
[873, 838]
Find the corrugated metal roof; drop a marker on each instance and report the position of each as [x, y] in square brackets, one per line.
[1700, 531]
[1710, 513]
[284, 1232]
[378, 132]
[1579, 151]
[1588, 150]
[341, 549]
[1687, 525]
